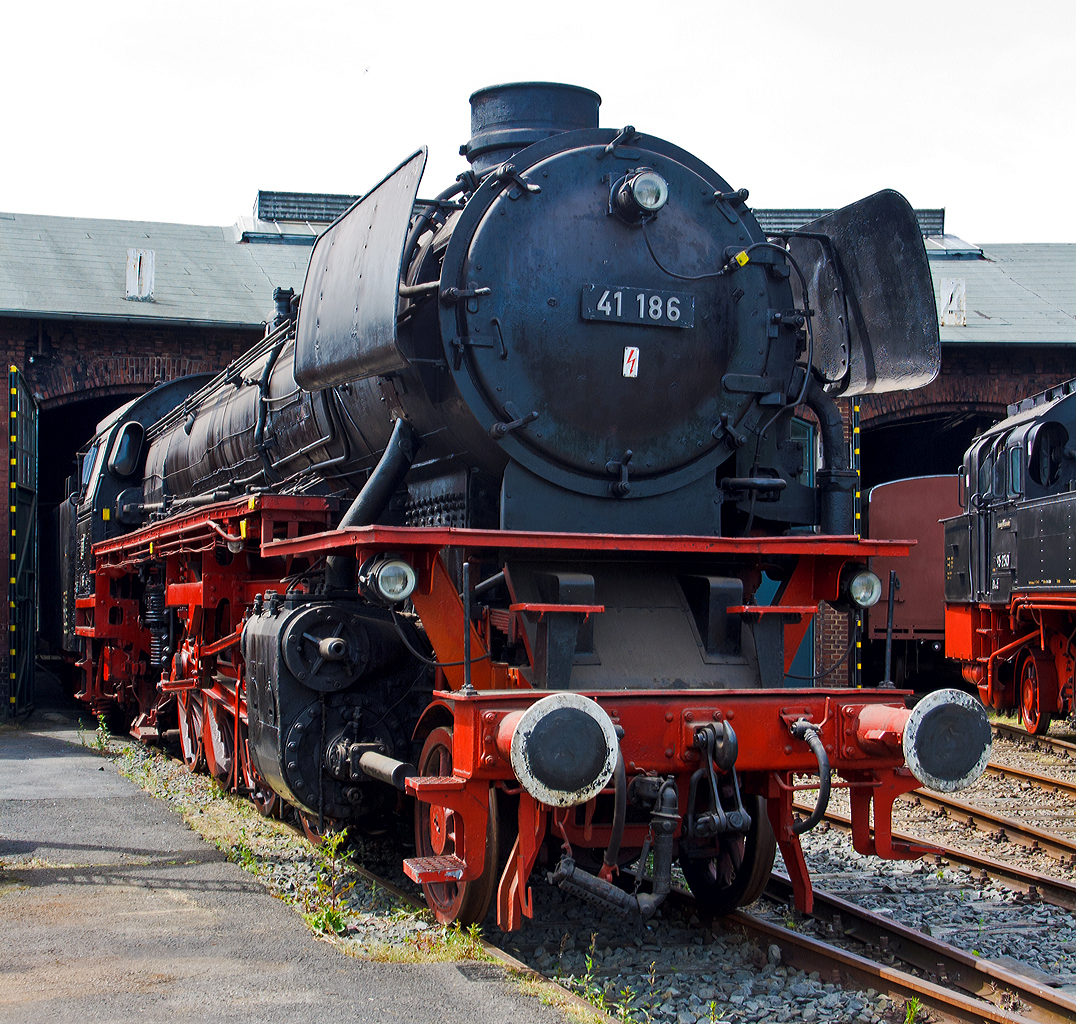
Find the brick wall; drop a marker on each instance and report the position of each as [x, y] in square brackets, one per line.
[977, 379]
[64, 361]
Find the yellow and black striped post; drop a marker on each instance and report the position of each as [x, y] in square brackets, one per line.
[857, 508]
[13, 482]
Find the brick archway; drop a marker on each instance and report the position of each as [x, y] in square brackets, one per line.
[121, 392]
[109, 375]
[872, 419]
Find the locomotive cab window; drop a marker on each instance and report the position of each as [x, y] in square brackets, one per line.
[1016, 478]
[1046, 444]
[986, 473]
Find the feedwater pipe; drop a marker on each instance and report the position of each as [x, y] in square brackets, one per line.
[372, 500]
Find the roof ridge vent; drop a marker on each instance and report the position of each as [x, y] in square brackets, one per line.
[140, 275]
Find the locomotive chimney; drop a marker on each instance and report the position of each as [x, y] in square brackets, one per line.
[508, 118]
[282, 302]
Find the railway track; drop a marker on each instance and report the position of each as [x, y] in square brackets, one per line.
[1015, 733]
[1003, 827]
[936, 962]
[1046, 782]
[954, 985]
[954, 993]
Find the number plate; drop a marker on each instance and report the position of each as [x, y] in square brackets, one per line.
[623, 305]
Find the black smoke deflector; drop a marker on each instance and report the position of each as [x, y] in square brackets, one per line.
[347, 316]
[876, 322]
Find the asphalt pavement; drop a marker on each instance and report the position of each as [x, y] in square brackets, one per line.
[113, 910]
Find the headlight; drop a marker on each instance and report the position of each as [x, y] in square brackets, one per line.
[387, 579]
[650, 191]
[642, 194]
[865, 589]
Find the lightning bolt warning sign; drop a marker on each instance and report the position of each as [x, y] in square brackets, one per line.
[631, 361]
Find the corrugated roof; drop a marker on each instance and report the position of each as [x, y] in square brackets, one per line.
[319, 207]
[75, 267]
[1016, 294]
[778, 222]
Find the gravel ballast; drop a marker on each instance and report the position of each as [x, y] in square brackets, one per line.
[674, 969]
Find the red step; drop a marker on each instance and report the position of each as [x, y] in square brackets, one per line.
[424, 870]
[435, 784]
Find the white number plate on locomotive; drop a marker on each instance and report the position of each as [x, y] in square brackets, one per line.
[623, 305]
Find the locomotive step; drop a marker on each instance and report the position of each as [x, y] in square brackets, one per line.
[424, 870]
[420, 784]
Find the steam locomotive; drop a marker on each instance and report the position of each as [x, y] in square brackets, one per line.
[1010, 572]
[482, 520]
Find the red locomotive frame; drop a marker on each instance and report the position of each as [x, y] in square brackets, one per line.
[266, 536]
[1018, 654]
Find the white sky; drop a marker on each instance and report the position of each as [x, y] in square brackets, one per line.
[181, 111]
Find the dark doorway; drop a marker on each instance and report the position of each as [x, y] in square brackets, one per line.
[923, 446]
[62, 432]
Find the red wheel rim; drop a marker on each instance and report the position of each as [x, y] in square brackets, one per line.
[1030, 699]
[218, 738]
[190, 710]
[264, 799]
[438, 832]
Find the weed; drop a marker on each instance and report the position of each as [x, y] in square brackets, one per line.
[911, 1010]
[330, 882]
[449, 943]
[100, 736]
[622, 1006]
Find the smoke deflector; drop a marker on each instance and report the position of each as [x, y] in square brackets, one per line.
[876, 322]
[347, 317]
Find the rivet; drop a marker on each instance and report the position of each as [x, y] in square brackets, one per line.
[730, 715]
[688, 716]
[717, 716]
[788, 750]
[668, 716]
[668, 751]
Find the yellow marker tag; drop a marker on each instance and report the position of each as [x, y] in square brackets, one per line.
[151, 547]
[14, 391]
[13, 368]
[243, 528]
[13, 462]
[106, 513]
[13, 579]
[13, 439]
[251, 503]
[13, 556]
[11, 628]
[13, 414]
[742, 258]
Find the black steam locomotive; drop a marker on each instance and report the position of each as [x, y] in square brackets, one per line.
[1010, 571]
[483, 517]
